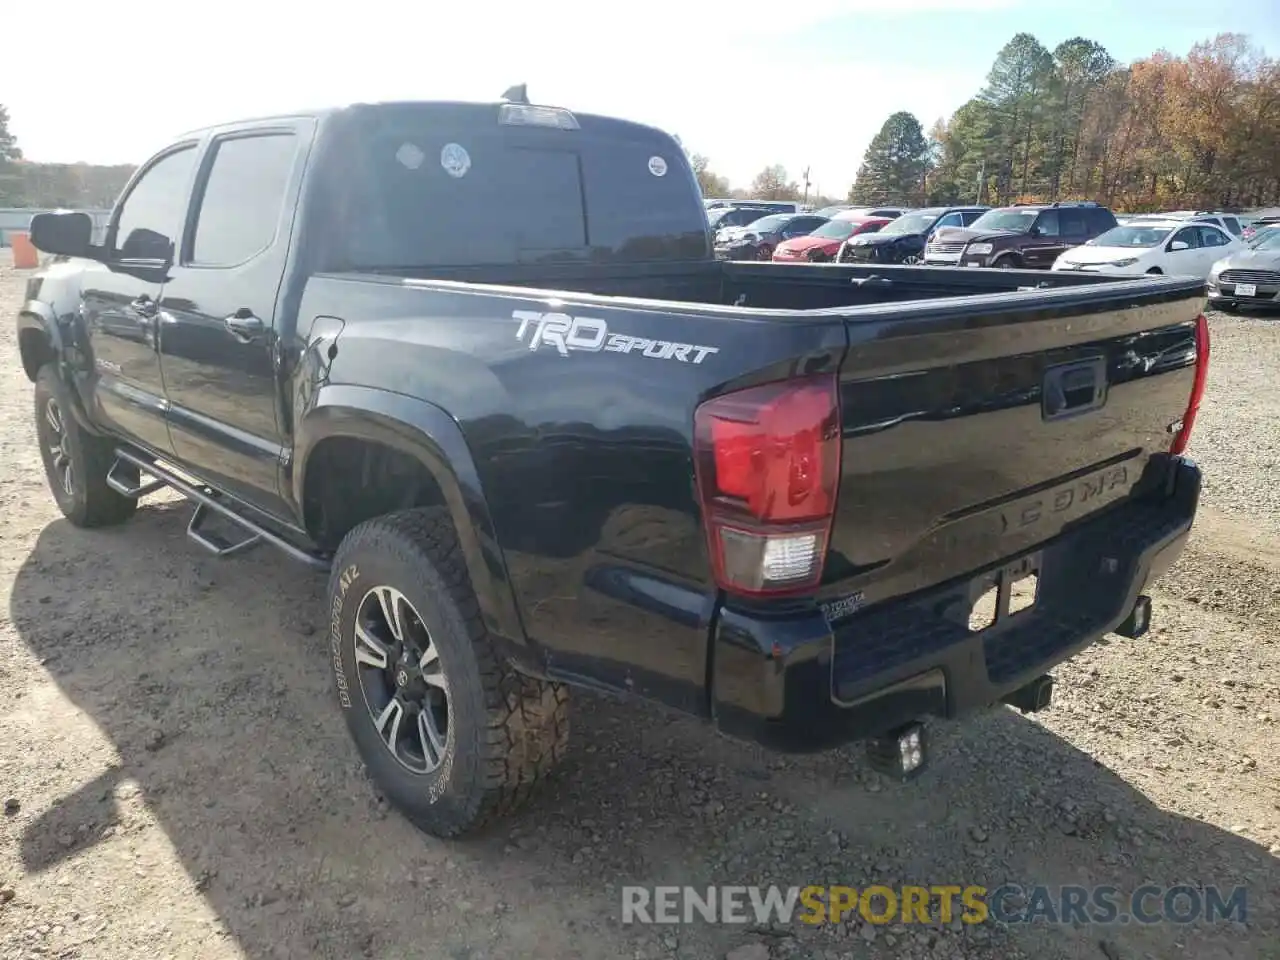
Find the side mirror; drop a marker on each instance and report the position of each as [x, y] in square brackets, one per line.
[63, 234]
[1034, 232]
[1179, 245]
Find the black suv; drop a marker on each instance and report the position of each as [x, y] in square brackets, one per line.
[1022, 236]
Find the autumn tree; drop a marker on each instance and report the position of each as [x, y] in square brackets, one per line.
[771, 183]
[893, 168]
[711, 184]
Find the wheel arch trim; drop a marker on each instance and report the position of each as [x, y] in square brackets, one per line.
[431, 436]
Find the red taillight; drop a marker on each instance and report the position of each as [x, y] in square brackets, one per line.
[767, 461]
[1182, 434]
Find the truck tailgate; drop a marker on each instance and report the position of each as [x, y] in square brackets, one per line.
[968, 440]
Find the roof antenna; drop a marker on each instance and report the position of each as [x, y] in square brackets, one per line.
[517, 94]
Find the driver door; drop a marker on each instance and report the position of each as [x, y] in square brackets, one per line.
[1042, 249]
[120, 301]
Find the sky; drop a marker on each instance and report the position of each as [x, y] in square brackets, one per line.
[804, 83]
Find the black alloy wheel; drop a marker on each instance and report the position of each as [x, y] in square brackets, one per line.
[403, 681]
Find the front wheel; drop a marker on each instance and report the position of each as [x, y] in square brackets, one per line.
[76, 462]
[1007, 263]
[449, 731]
[765, 252]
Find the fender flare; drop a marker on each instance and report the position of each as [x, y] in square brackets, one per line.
[37, 315]
[432, 437]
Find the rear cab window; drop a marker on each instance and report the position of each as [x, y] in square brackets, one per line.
[449, 185]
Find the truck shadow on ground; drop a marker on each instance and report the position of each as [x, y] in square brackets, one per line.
[210, 679]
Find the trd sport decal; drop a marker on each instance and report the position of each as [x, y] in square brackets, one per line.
[566, 334]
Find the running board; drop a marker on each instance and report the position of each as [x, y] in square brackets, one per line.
[207, 503]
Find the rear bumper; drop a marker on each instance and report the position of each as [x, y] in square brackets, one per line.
[798, 682]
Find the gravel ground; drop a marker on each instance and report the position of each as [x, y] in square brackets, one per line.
[179, 785]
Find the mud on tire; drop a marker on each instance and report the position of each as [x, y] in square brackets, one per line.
[501, 731]
[76, 462]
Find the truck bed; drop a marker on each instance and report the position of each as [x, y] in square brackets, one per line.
[949, 463]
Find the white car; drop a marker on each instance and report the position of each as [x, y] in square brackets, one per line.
[1172, 247]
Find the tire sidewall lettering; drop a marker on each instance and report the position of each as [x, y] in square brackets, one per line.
[344, 583]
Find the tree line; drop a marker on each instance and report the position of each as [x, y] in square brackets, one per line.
[1165, 132]
[74, 185]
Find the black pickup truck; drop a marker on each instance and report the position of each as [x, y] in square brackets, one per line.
[478, 361]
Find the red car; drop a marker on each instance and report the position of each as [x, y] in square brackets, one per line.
[822, 245]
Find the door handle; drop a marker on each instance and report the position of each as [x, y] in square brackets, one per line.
[243, 325]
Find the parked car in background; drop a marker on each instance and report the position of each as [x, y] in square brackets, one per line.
[824, 243]
[1248, 276]
[1227, 221]
[903, 240]
[1172, 247]
[738, 215]
[1028, 236]
[757, 240]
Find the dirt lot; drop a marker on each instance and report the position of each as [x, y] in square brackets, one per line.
[179, 784]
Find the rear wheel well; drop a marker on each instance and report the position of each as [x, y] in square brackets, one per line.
[350, 480]
[36, 351]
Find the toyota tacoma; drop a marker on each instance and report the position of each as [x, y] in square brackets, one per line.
[479, 362]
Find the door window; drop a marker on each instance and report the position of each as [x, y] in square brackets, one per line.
[242, 199]
[969, 216]
[151, 215]
[1074, 223]
[1187, 235]
[952, 219]
[1212, 237]
[1048, 223]
[1232, 224]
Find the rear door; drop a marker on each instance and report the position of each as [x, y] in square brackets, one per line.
[1214, 245]
[120, 299]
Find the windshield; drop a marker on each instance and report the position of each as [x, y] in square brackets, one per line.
[1015, 221]
[909, 223]
[835, 230]
[1270, 240]
[768, 224]
[1132, 235]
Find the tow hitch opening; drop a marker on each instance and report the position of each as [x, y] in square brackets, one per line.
[901, 753]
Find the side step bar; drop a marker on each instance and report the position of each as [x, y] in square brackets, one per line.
[208, 504]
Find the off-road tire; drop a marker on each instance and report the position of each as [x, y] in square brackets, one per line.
[506, 731]
[90, 502]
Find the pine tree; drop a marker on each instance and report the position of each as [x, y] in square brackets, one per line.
[894, 166]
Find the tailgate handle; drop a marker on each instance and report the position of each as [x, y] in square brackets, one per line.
[1074, 388]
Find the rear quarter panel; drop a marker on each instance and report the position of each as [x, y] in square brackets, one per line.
[581, 436]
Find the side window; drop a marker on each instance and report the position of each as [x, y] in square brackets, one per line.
[150, 218]
[1212, 237]
[242, 199]
[949, 220]
[1232, 224]
[1187, 235]
[1100, 221]
[1074, 223]
[1048, 223]
[968, 216]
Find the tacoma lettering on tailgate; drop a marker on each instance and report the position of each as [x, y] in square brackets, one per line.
[1065, 498]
